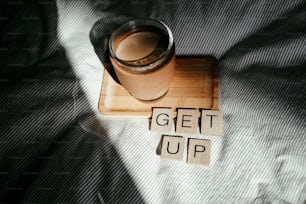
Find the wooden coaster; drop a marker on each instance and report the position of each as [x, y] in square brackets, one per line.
[195, 85]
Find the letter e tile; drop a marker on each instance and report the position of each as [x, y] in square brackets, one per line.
[187, 121]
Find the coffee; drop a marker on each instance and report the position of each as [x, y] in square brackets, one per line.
[143, 59]
[141, 46]
[138, 45]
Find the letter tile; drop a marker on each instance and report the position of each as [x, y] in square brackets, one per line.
[172, 147]
[212, 123]
[187, 121]
[162, 120]
[198, 151]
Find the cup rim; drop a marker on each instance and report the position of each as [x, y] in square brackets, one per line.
[134, 23]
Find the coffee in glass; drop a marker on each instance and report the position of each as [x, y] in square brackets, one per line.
[142, 53]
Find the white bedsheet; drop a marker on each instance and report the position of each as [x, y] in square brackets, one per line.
[262, 156]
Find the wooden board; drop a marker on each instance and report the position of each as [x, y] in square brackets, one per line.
[195, 85]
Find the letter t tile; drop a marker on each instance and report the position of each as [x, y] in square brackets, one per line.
[212, 123]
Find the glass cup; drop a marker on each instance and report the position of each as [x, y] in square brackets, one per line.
[142, 53]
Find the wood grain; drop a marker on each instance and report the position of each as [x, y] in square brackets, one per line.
[195, 85]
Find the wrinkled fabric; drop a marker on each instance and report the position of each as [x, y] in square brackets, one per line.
[56, 147]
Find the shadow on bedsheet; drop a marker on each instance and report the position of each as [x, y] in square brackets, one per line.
[48, 152]
[271, 63]
[266, 73]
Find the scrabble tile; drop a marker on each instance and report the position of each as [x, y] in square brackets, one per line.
[187, 121]
[198, 151]
[212, 122]
[159, 146]
[172, 147]
[162, 120]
